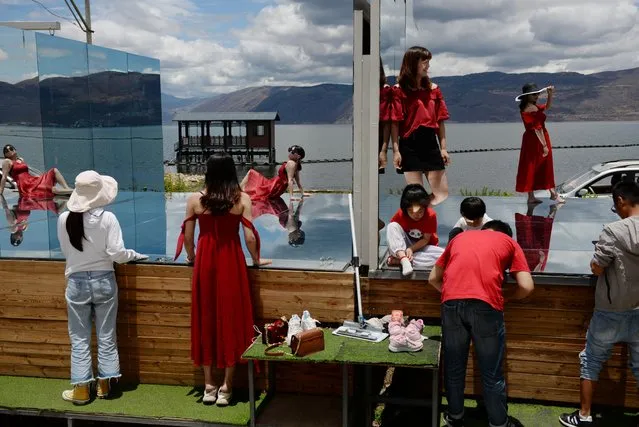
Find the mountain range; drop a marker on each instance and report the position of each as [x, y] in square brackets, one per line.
[472, 98]
[128, 99]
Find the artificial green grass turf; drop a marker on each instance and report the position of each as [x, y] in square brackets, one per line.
[143, 400]
[537, 415]
[339, 349]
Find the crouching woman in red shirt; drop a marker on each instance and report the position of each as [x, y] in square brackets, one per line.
[422, 142]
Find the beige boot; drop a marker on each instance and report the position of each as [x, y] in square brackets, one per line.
[104, 387]
[79, 395]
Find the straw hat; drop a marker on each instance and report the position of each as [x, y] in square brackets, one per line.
[529, 89]
[92, 190]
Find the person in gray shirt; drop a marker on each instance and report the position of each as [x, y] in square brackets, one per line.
[616, 315]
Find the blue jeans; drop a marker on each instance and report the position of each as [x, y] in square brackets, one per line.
[92, 293]
[462, 321]
[605, 330]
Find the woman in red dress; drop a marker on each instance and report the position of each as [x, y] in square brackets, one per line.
[221, 308]
[258, 187]
[535, 170]
[422, 133]
[42, 186]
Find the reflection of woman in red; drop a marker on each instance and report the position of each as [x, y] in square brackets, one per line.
[535, 170]
[533, 235]
[390, 114]
[289, 217]
[258, 187]
[18, 216]
[41, 186]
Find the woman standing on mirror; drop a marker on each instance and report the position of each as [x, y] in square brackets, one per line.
[422, 142]
[30, 185]
[258, 187]
[535, 170]
[221, 308]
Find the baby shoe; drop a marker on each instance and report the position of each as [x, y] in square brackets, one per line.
[414, 330]
[400, 343]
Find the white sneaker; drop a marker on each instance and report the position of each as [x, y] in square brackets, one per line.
[294, 327]
[307, 321]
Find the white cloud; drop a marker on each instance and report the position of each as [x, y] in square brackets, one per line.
[309, 41]
[3, 55]
[514, 35]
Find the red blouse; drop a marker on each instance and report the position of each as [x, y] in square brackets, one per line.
[422, 108]
[534, 120]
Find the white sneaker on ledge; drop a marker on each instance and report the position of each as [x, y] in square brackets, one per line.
[294, 327]
[307, 321]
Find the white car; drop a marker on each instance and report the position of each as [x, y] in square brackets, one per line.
[599, 179]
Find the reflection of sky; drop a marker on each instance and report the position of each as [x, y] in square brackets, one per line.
[151, 224]
[103, 59]
[143, 64]
[576, 225]
[17, 55]
[61, 57]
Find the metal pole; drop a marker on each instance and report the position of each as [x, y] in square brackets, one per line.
[87, 13]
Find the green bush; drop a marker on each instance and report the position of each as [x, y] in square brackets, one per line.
[177, 184]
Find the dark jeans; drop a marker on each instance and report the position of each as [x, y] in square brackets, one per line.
[463, 320]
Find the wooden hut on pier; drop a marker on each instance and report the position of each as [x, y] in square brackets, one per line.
[248, 137]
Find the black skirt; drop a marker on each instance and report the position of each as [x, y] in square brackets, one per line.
[420, 151]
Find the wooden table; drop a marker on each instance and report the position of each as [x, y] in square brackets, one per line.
[350, 351]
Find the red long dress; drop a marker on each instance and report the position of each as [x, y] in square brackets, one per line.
[29, 185]
[535, 172]
[258, 187]
[221, 308]
[533, 235]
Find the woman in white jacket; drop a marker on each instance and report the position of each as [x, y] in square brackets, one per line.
[91, 241]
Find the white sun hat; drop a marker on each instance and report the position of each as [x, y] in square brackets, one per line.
[92, 190]
[530, 89]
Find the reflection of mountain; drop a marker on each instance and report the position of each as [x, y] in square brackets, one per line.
[483, 97]
[100, 99]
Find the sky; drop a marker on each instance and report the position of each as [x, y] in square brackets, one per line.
[217, 46]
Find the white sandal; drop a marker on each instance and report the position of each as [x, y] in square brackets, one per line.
[210, 397]
[224, 398]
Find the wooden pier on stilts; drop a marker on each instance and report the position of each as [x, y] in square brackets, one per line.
[248, 137]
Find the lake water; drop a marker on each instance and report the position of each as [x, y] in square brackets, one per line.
[496, 170]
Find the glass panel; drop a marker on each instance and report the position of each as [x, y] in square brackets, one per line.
[145, 120]
[110, 106]
[20, 126]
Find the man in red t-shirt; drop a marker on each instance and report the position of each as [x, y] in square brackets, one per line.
[470, 274]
